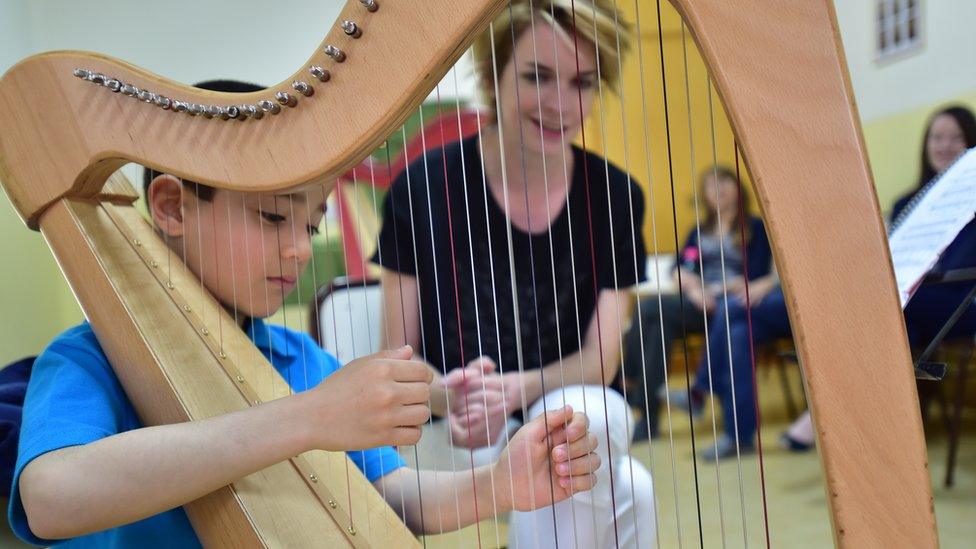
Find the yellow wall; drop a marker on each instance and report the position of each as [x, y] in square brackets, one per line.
[692, 148]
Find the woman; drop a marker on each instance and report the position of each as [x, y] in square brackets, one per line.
[712, 265]
[498, 266]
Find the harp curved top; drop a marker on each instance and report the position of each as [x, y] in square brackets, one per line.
[61, 136]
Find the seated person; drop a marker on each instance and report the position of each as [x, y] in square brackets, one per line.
[498, 267]
[711, 266]
[90, 474]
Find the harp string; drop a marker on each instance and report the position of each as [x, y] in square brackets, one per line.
[508, 238]
[727, 322]
[752, 359]
[335, 335]
[437, 292]
[420, 313]
[701, 269]
[494, 293]
[457, 296]
[545, 180]
[532, 270]
[613, 247]
[477, 312]
[657, 277]
[369, 337]
[343, 218]
[596, 293]
[633, 223]
[674, 225]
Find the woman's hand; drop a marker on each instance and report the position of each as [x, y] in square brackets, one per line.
[758, 290]
[481, 401]
[528, 475]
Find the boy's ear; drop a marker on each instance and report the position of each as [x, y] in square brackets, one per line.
[164, 199]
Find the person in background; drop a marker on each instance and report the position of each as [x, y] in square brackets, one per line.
[712, 266]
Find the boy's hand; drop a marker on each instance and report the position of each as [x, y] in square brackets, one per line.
[529, 476]
[376, 400]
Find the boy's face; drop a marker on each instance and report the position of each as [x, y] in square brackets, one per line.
[248, 249]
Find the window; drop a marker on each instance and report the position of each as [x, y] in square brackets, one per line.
[898, 27]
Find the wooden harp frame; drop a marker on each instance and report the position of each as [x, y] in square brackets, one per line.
[778, 66]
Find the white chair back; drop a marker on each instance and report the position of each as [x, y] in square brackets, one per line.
[349, 318]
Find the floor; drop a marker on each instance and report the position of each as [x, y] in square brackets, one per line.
[795, 507]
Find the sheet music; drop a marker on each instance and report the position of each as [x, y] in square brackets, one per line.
[933, 222]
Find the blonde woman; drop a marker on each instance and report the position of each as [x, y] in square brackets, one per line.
[507, 260]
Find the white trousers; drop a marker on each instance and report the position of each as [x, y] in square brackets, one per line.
[617, 513]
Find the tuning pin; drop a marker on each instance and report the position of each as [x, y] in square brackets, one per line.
[370, 5]
[163, 102]
[229, 112]
[321, 74]
[269, 106]
[335, 53]
[351, 29]
[286, 99]
[84, 74]
[303, 88]
[252, 111]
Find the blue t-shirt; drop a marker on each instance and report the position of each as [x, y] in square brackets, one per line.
[75, 398]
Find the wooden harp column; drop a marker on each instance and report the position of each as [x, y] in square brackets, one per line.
[779, 68]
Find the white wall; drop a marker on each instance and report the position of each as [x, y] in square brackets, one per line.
[943, 68]
[14, 40]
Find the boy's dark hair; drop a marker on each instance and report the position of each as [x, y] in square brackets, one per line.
[203, 192]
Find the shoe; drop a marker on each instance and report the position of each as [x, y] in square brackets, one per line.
[794, 445]
[724, 447]
[679, 399]
[641, 430]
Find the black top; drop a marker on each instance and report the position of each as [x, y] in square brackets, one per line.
[419, 210]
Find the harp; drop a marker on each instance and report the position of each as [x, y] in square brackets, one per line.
[61, 138]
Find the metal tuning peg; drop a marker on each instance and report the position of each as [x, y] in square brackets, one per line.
[351, 29]
[335, 53]
[286, 99]
[303, 88]
[319, 73]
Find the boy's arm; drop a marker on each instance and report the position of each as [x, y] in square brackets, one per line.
[528, 475]
[377, 400]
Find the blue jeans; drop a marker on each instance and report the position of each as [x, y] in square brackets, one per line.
[731, 370]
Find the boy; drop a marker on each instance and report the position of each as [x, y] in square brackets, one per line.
[89, 472]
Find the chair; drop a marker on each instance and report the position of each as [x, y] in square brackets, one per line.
[957, 353]
[346, 318]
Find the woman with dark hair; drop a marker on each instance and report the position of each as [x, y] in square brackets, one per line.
[711, 265]
[950, 132]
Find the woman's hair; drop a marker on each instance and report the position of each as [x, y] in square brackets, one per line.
[742, 210]
[967, 122]
[593, 22]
